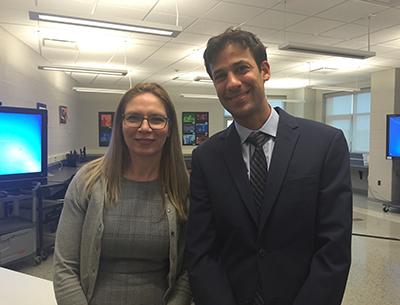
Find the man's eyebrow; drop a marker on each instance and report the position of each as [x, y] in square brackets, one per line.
[241, 62]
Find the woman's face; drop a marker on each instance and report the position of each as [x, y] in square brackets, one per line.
[145, 126]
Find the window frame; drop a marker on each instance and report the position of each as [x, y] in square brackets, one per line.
[352, 116]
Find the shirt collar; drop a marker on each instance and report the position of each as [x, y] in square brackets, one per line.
[270, 127]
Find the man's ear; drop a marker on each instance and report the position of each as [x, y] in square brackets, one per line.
[265, 70]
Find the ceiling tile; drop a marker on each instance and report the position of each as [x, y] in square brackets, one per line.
[116, 14]
[258, 3]
[307, 7]
[185, 7]
[355, 43]
[381, 20]
[267, 36]
[170, 19]
[234, 13]
[386, 35]
[74, 7]
[304, 37]
[208, 27]
[58, 56]
[351, 11]
[172, 51]
[347, 31]
[314, 25]
[393, 43]
[192, 39]
[122, 4]
[275, 19]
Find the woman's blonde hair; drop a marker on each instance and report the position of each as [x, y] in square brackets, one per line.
[110, 167]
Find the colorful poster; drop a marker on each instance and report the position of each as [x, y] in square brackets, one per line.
[105, 128]
[194, 127]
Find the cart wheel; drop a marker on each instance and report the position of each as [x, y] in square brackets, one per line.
[37, 260]
[386, 209]
[44, 255]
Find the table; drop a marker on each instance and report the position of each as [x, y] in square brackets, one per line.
[21, 289]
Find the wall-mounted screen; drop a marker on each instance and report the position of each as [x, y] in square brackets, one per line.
[23, 146]
[393, 136]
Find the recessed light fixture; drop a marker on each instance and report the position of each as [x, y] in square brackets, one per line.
[325, 50]
[203, 79]
[323, 70]
[113, 72]
[337, 89]
[200, 96]
[99, 90]
[59, 43]
[137, 27]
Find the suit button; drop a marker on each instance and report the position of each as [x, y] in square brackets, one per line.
[261, 252]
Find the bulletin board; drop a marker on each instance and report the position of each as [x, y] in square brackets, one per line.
[194, 128]
[105, 127]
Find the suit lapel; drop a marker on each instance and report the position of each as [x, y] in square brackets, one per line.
[237, 168]
[286, 139]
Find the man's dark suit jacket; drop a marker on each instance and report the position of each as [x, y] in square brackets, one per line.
[300, 245]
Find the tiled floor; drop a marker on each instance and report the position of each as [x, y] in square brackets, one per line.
[375, 272]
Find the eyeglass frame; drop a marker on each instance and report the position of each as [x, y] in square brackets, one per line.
[145, 117]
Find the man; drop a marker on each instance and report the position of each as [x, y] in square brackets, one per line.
[269, 221]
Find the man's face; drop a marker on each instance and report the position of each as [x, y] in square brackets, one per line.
[240, 85]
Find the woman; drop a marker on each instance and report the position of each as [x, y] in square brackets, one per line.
[119, 239]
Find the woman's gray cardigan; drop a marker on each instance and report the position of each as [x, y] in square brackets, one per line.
[78, 245]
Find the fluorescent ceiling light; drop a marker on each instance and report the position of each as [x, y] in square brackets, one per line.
[200, 96]
[203, 79]
[59, 43]
[333, 88]
[323, 70]
[114, 72]
[293, 101]
[138, 27]
[98, 90]
[325, 50]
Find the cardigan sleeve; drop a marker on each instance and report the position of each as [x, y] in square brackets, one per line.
[66, 281]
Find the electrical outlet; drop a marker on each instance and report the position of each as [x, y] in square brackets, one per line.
[379, 182]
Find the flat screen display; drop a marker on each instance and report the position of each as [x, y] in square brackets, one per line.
[393, 136]
[23, 144]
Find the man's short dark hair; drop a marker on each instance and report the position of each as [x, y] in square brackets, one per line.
[244, 39]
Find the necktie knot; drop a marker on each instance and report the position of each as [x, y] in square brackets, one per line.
[257, 139]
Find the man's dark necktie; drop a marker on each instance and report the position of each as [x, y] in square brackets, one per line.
[258, 178]
[258, 167]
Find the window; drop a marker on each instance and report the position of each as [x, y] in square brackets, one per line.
[274, 101]
[351, 114]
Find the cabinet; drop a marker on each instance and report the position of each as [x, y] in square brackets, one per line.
[17, 231]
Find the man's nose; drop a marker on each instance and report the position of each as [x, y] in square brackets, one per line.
[233, 81]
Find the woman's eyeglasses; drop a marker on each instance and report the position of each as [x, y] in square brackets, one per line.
[135, 120]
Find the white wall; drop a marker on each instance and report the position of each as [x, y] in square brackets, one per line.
[90, 104]
[23, 85]
[385, 99]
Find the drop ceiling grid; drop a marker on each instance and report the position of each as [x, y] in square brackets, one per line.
[351, 11]
[314, 26]
[233, 13]
[273, 19]
[382, 20]
[307, 7]
[347, 31]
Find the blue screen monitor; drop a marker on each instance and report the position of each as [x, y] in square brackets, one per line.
[23, 146]
[393, 136]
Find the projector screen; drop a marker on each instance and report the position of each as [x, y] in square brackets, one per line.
[393, 136]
